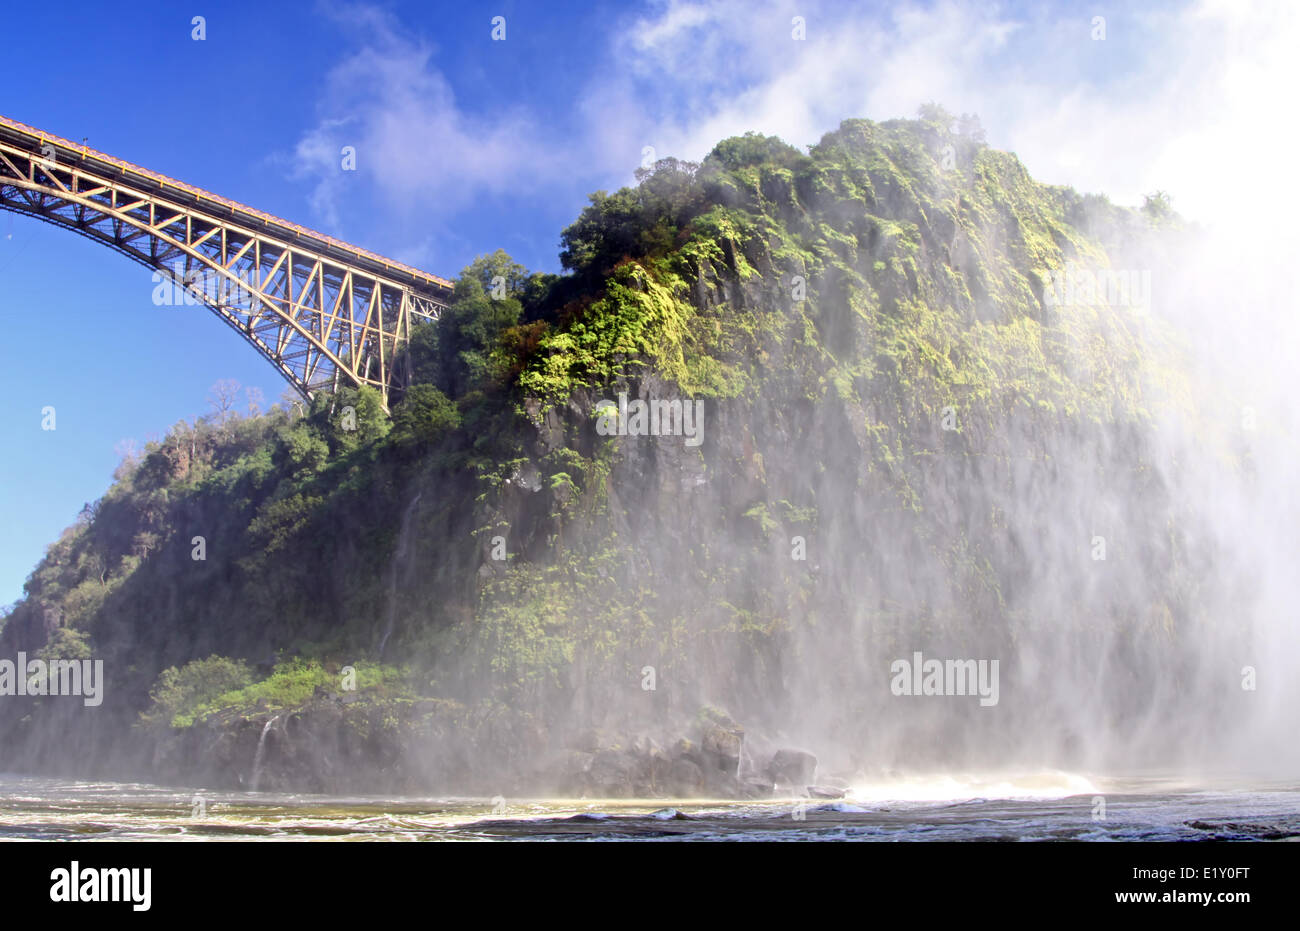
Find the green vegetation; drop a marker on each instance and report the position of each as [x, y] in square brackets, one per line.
[216, 684]
[181, 693]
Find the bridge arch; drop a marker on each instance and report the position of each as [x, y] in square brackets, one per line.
[322, 311]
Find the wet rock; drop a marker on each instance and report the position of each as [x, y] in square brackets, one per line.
[655, 766]
[686, 778]
[721, 748]
[589, 741]
[613, 774]
[793, 768]
[527, 476]
[565, 772]
[575, 762]
[826, 792]
[721, 741]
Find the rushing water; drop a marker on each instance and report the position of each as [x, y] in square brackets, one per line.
[1042, 806]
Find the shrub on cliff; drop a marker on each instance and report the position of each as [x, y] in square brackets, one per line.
[424, 417]
[179, 692]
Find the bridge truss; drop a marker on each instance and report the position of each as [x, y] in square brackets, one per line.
[324, 312]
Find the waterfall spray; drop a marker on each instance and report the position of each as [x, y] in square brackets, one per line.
[395, 572]
[257, 757]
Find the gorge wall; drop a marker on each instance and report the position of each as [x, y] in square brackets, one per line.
[944, 411]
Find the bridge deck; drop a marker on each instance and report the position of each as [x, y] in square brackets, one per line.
[32, 139]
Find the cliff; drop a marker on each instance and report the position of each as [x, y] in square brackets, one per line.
[927, 401]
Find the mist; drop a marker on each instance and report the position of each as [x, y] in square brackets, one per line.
[1177, 651]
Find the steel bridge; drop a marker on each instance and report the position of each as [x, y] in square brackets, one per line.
[324, 312]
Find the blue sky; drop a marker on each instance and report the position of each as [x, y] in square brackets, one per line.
[465, 145]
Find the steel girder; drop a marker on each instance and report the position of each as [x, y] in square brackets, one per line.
[319, 309]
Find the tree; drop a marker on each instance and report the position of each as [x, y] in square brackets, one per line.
[969, 127]
[86, 516]
[424, 416]
[669, 165]
[1157, 205]
[292, 403]
[935, 115]
[358, 419]
[754, 149]
[182, 691]
[462, 351]
[498, 273]
[305, 451]
[128, 453]
[643, 220]
[222, 397]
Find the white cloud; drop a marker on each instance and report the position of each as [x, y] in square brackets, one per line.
[415, 146]
[1171, 99]
[1177, 98]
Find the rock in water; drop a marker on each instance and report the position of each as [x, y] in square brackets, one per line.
[721, 747]
[825, 792]
[793, 768]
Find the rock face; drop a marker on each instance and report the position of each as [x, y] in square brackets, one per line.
[716, 764]
[793, 768]
[704, 762]
[721, 746]
[876, 458]
[686, 778]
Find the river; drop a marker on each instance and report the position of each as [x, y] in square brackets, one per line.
[949, 807]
